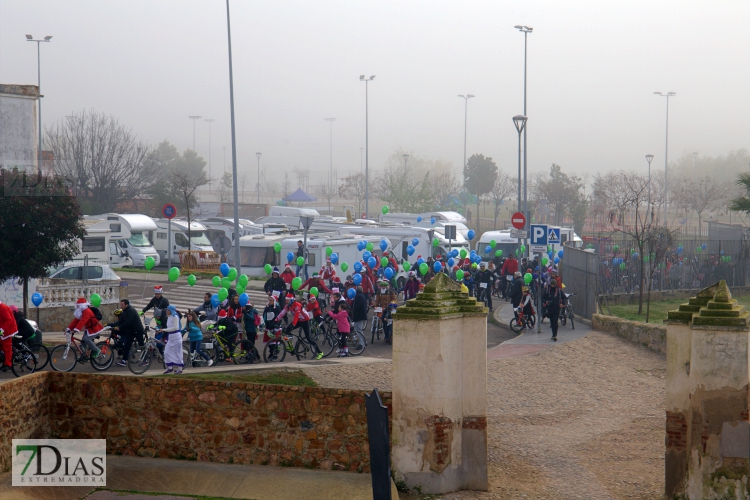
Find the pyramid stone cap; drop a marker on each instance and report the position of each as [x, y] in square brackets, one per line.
[441, 298]
[712, 307]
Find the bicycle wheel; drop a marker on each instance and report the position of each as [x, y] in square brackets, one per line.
[301, 350]
[243, 352]
[42, 355]
[106, 356]
[572, 322]
[24, 362]
[274, 351]
[356, 343]
[63, 358]
[563, 319]
[515, 325]
[140, 359]
[532, 320]
[327, 344]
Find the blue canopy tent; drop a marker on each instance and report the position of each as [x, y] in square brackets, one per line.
[299, 196]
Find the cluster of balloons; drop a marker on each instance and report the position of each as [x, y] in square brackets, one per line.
[617, 261]
[726, 258]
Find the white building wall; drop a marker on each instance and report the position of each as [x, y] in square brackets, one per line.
[18, 126]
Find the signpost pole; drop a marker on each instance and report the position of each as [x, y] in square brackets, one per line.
[539, 297]
[169, 243]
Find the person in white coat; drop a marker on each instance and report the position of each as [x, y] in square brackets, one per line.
[173, 349]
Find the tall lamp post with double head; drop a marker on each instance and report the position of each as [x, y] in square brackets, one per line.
[525, 30]
[258, 155]
[406, 158]
[648, 159]
[466, 118]
[666, 149]
[367, 146]
[194, 118]
[209, 121]
[520, 122]
[47, 38]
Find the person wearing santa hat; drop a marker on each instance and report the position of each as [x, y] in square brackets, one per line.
[8, 328]
[272, 319]
[159, 304]
[301, 320]
[328, 272]
[86, 323]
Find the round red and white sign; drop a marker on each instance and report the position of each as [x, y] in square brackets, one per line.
[518, 220]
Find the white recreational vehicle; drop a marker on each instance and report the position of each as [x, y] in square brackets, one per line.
[198, 238]
[508, 244]
[131, 233]
[425, 220]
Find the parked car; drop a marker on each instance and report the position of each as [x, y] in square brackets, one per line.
[79, 271]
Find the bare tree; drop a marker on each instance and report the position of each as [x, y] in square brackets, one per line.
[353, 188]
[327, 192]
[659, 239]
[104, 160]
[702, 195]
[286, 186]
[225, 188]
[187, 185]
[503, 189]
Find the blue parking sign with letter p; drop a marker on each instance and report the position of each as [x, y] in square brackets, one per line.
[538, 238]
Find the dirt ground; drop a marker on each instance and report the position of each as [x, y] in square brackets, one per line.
[580, 420]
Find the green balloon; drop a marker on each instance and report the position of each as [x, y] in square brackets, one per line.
[406, 265]
[216, 281]
[369, 247]
[383, 262]
[232, 274]
[463, 253]
[424, 268]
[240, 289]
[549, 248]
[523, 248]
[498, 253]
[384, 209]
[344, 266]
[223, 293]
[191, 280]
[473, 265]
[149, 264]
[314, 291]
[300, 261]
[96, 300]
[435, 242]
[226, 283]
[616, 247]
[622, 266]
[174, 273]
[545, 261]
[528, 278]
[329, 251]
[243, 280]
[459, 275]
[267, 268]
[277, 247]
[493, 244]
[296, 283]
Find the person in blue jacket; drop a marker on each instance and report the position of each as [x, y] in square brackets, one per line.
[195, 336]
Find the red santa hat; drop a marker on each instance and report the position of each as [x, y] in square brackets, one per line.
[81, 300]
[158, 289]
[223, 313]
[290, 296]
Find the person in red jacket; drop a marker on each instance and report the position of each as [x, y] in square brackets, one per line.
[288, 275]
[315, 281]
[313, 307]
[301, 319]
[8, 328]
[510, 267]
[86, 323]
[328, 272]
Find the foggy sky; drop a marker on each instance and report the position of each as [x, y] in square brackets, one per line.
[592, 69]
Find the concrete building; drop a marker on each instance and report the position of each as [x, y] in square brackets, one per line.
[18, 126]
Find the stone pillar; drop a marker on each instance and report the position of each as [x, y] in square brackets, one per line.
[440, 390]
[707, 439]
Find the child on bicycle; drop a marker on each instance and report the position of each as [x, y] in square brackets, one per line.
[526, 306]
[388, 320]
[227, 331]
[272, 320]
[313, 307]
[301, 320]
[342, 321]
[195, 335]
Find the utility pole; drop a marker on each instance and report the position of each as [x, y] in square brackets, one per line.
[210, 121]
[47, 38]
[194, 117]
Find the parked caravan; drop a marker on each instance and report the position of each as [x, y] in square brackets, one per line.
[130, 232]
[198, 238]
[441, 219]
[508, 244]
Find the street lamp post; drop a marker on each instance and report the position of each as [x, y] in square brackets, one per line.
[406, 158]
[466, 118]
[666, 150]
[648, 159]
[330, 171]
[367, 145]
[225, 159]
[194, 118]
[237, 261]
[258, 155]
[210, 121]
[361, 159]
[520, 122]
[525, 30]
[47, 38]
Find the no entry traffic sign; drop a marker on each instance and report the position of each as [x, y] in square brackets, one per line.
[518, 220]
[169, 211]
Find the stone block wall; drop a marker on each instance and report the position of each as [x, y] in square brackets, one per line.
[649, 335]
[25, 413]
[56, 319]
[213, 421]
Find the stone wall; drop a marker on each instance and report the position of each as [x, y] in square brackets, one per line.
[648, 335]
[632, 298]
[25, 414]
[56, 319]
[213, 421]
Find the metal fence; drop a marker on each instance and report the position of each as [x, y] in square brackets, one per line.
[579, 273]
[691, 263]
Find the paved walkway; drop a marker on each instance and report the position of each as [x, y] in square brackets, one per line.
[161, 475]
